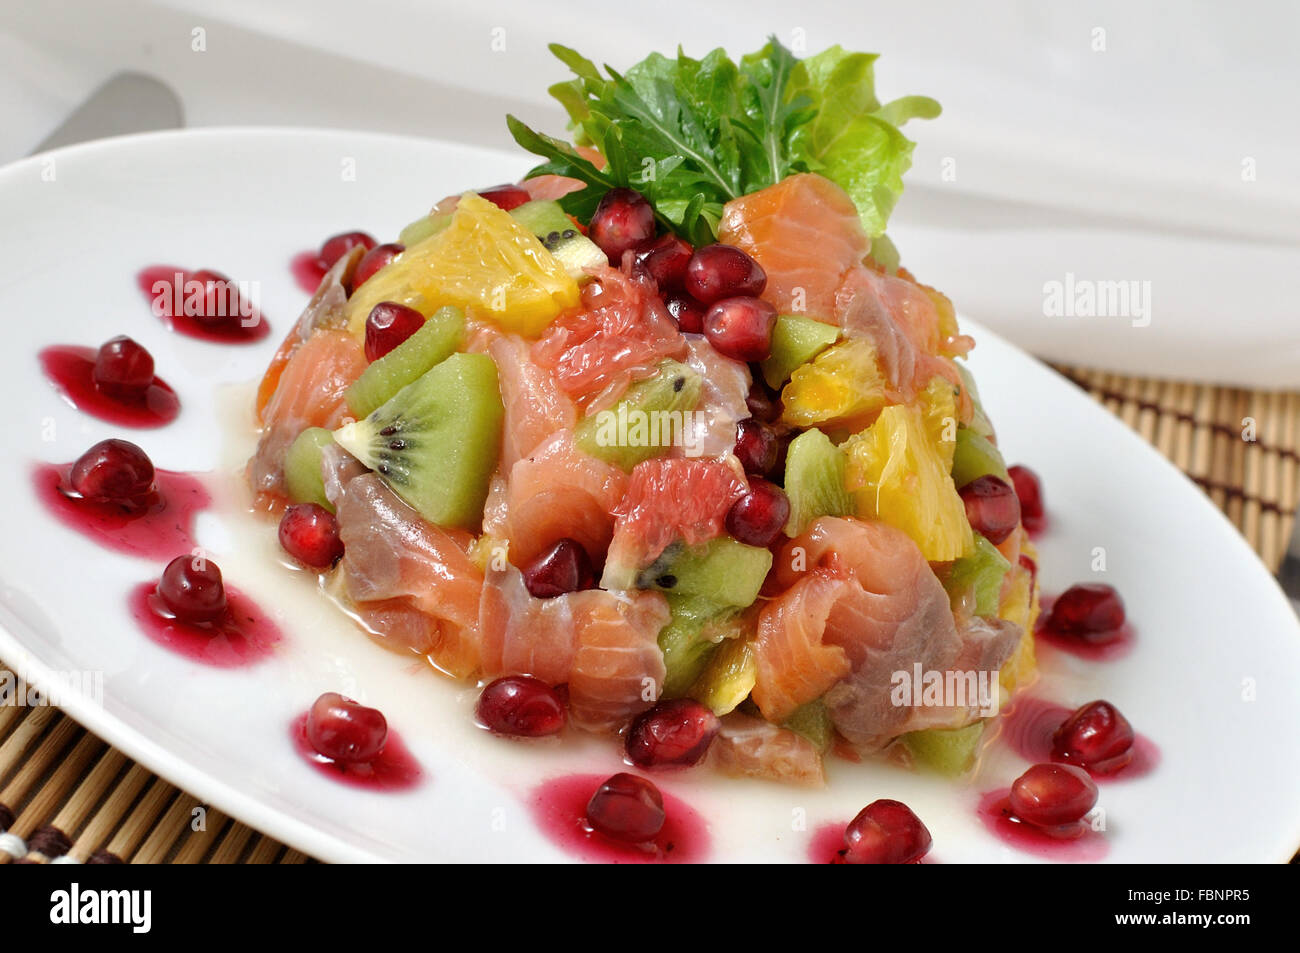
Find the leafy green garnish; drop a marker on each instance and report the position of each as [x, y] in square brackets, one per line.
[691, 135]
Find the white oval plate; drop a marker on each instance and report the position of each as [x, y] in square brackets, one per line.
[1211, 680]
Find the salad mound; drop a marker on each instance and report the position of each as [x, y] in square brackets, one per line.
[662, 439]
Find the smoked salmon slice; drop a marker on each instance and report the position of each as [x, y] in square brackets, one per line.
[309, 393]
[396, 566]
[806, 233]
[862, 604]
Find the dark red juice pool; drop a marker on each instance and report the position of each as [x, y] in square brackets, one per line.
[176, 297]
[71, 370]
[394, 769]
[1028, 727]
[560, 809]
[158, 527]
[243, 635]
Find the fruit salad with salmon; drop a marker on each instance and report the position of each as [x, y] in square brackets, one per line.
[663, 441]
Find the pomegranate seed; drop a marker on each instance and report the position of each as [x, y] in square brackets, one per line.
[1096, 737]
[522, 706]
[627, 808]
[666, 259]
[757, 447]
[388, 325]
[1091, 611]
[1029, 490]
[565, 567]
[687, 312]
[675, 732]
[723, 271]
[113, 471]
[506, 196]
[622, 221]
[376, 258]
[191, 587]
[758, 517]
[762, 403]
[991, 507]
[344, 730]
[886, 832]
[123, 368]
[1032, 567]
[310, 534]
[220, 297]
[741, 328]
[336, 246]
[1053, 795]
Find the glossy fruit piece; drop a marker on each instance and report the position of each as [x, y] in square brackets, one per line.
[336, 246]
[687, 312]
[758, 517]
[1052, 795]
[667, 500]
[723, 271]
[430, 344]
[377, 258]
[191, 587]
[623, 221]
[436, 441]
[674, 733]
[795, 341]
[113, 470]
[950, 751]
[897, 474]
[1029, 489]
[565, 567]
[991, 507]
[344, 730]
[627, 808]
[978, 578]
[485, 260]
[815, 471]
[723, 573]
[303, 478]
[740, 328]
[521, 706]
[666, 259]
[696, 627]
[757, 447]
[505, 196]
[975, 456]
[633, 430]
[560, 236]
[805, 232]
[123, 368]
[310, 534]
[729, 676]
[388, 325]
[1087, 610]
[1096, 736]
[841, 388]
[886, 832]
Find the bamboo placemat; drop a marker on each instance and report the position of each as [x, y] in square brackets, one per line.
[68, 797]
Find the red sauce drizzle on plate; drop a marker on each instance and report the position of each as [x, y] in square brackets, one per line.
[158, 528]
[164, 287]
[71, 369]
[1103, 647]
[560, 808]
[1028, 727]
[394, 769]
[243, 636]
[994, 812]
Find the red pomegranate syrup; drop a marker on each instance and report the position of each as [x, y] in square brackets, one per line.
[1097, 647]
[157, 528]
[173, 298]
[243, 635]
[560, 809]
[1028, 727]
[393, 769]
[71, 368]
[307, 270]
[826, 846]
[995, 814]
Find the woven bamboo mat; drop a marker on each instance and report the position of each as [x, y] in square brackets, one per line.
[66, 794]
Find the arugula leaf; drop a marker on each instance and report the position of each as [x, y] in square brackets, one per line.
[692, 134]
